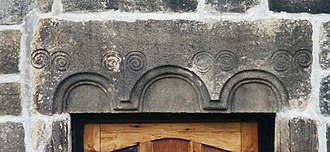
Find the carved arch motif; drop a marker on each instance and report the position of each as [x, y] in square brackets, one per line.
[65, 88]
[254, 77]
[139, 91]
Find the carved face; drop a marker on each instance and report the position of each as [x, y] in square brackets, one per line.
[112, 61]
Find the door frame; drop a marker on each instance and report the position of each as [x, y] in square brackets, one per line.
[266, 123]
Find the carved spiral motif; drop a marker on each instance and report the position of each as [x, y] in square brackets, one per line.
[226, 60]
[40, 58]
[61, 60]
[203, 61]
[303, 58]
[135, 61]
[281, 60]
[111, 61]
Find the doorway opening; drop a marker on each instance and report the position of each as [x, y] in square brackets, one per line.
[81, 122]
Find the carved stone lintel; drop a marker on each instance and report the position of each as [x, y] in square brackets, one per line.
[189, 66]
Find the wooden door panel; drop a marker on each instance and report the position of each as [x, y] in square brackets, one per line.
[250, 137]
[170, 145]
[176, 145]
[192, 137]
[123, 135]
[92, 138]
[207, 148]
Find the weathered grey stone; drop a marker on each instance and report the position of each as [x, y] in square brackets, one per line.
[89, 5]
[232, 6]
[41, 134]
[9, 51]
[11, 137]
[171, 89]
[298, 6]
[85, 95]
[303, 135]
[325, 46]
[325, 96]
[59, 139]
[244, 100]
[13, 12]
[328, 137]
[220, 65]
[10, 99]
[45, 6]
[282, 134]
[38, 134]
[129, 6]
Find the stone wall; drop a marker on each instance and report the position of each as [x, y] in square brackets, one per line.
[278, 48]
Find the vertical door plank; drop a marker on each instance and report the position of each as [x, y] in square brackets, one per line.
[249, 137]
[92, 138]
[170, 145]
[146, 147]
[195, 147]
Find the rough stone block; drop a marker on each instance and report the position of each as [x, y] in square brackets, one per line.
[10, 99]
[59, 139]
[282, 134]
[272, 56]
[9, 51]
[13, 11]
[328, 137]
[131, 6]
[12, 137]
[298, 6]
[325, 96]
[45, 6]
[303, 135]
[231, 6]
[41, 134]
[88, 5]
[325, 46]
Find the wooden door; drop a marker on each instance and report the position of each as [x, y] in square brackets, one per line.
[171, 137]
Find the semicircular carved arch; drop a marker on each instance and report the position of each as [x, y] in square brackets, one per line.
[257, 85]
[154, 79]
[83, 91]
